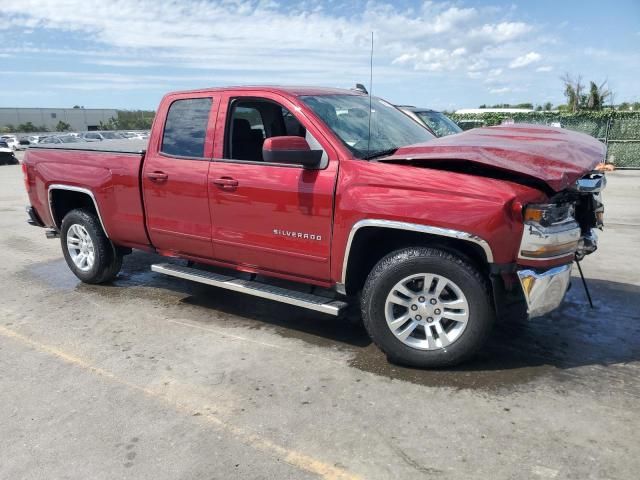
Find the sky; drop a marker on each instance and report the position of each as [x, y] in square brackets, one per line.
[437, 54]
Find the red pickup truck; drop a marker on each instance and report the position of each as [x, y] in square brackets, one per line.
[325, 198]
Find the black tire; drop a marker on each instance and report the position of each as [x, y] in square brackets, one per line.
[403, 263]
[108, 259]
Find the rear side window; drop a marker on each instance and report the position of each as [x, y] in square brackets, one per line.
[186, 127]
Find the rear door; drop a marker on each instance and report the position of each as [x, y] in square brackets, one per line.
[174, 177]
[270, 216]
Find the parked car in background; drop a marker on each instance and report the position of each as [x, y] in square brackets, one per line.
[437, 122]
[10, 140]
[60, 139]
[27, 141]
[100, 136]
[7, 156]
[135, 135]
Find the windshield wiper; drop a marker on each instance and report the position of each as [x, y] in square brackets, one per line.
[380, 153]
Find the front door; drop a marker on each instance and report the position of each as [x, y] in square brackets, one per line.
[174, 178]
[270, 216]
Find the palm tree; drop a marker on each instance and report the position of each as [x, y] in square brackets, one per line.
[598, 95]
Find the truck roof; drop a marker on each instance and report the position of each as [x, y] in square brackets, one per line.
[287, 90]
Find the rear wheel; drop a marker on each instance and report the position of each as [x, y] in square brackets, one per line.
[426, 308]
[89, 253]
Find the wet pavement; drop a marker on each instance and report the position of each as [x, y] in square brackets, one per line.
[214, 384]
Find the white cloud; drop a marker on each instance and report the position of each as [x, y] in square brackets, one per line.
[501, 32]
[544, 68]
[524, 60]
[218, 42]
[298, 40]
[500, 90]
[436, 59]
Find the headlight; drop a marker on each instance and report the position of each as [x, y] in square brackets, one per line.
[550, 232]
[548, 214]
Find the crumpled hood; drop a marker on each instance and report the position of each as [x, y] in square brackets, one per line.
[555, 156]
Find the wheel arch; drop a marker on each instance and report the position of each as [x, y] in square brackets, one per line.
[64, 198]
[380, 237]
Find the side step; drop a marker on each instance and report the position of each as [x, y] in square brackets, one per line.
[257, 289]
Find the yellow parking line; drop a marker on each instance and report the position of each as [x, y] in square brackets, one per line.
[292, 457]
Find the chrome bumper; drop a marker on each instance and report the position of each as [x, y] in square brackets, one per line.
[544, 291]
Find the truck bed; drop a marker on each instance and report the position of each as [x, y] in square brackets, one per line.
[114, 146]
[110, 170]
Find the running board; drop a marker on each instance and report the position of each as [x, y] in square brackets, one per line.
[263, 290]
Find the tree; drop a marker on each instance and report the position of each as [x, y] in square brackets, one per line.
[548, 106]
[598, 95]
[27, 127]
[111, 124]
[62, 126]
[135, 119]
[578, 98]
[8, 128]
[573, 89]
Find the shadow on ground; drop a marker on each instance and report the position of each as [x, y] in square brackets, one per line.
[517, 353]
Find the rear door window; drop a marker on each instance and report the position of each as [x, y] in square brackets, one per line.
[186, 127]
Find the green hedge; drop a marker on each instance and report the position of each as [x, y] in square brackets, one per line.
[624, 155]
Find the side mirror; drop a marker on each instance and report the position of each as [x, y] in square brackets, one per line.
[290, 149]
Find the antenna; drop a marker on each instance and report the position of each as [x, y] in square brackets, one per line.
[370, 91]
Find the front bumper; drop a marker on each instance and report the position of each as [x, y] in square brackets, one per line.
[544, 291]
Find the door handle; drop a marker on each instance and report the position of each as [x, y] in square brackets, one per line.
[226, 182]
[157, 176]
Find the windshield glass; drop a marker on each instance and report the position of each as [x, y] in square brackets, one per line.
[439, 123]
[348, 117]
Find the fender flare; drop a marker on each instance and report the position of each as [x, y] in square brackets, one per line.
[72, 188]
[413, 227]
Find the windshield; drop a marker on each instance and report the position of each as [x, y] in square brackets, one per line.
[439, 123]
[348, 117]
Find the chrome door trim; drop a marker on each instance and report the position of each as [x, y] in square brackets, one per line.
[72, 188]
[414, 227]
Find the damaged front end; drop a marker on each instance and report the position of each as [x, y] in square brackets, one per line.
[555, 234]
[589, 211]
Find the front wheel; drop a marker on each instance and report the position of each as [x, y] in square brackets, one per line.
[426, 308]
[89, 253]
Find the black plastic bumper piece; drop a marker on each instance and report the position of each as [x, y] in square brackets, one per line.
[509, 300]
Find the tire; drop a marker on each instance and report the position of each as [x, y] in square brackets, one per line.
[435, 340]
[83, 230]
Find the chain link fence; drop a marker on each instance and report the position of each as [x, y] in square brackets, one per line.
[620, 131]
